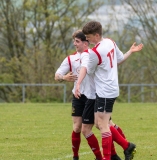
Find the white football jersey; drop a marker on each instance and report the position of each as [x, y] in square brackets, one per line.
[73, 63]
[90, 86]
[103, 59]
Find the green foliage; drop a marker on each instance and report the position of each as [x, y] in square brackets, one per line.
[44, 94]
[43, 131]
[35, 36]
[6, 78]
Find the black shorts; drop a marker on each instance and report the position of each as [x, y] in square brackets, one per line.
[88, 113]
[104, 104]
[78, 105]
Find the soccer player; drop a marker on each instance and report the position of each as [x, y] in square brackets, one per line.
[87, 128]
[102, 64]
[82, 110]
[117, 133]
[83, 119]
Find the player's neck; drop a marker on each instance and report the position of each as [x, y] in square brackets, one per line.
[98, 40]
[85, 48]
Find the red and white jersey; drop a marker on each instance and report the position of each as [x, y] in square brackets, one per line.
[72, 63]
[90, 86]
[102, 63]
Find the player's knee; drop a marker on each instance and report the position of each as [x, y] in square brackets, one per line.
[97, 126]
[77, 128]
[85, 131]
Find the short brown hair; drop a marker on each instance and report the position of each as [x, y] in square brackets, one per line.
[80, 35]
[92, 27]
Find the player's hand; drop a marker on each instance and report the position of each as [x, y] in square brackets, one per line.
[136, 48]
[70, 77]
[77, 91]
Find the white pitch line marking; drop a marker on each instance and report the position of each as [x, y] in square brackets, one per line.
[70, 156]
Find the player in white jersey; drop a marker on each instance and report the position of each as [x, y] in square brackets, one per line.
[82, 117]
[118, 135]
[82, 109]
[103, 64]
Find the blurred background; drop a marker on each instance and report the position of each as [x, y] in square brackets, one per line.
[36, 36]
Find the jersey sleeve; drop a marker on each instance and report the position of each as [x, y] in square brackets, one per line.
[84, 59]
[119, 54]
[92, 62]
[64, 67]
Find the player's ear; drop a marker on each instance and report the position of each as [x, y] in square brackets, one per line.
[86, 43]
[97, 35]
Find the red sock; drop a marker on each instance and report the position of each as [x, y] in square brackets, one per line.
[120, 131]
[106, 145]
[94, 145]
[118, 138]
[76, 140]
[113, 150]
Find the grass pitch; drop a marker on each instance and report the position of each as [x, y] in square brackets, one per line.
[43, 131]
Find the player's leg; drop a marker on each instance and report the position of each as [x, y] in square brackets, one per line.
[87, 125]
[104, 109]
[105, 133]
[76, 136]
[117, 127]
[114, 155]
[129, 148]
[78, 106]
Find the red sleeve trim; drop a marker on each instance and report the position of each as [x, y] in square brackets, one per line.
[69, 63]
[97, 53]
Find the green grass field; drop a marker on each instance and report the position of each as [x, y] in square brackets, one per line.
[43, 131]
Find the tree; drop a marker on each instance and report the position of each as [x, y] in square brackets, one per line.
[36, 36]
[135, 21]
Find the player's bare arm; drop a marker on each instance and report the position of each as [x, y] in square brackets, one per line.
[59, 77]
[69, 77]
[82, 75]
[133, 48]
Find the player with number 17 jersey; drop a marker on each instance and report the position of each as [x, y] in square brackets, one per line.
[103, 61]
